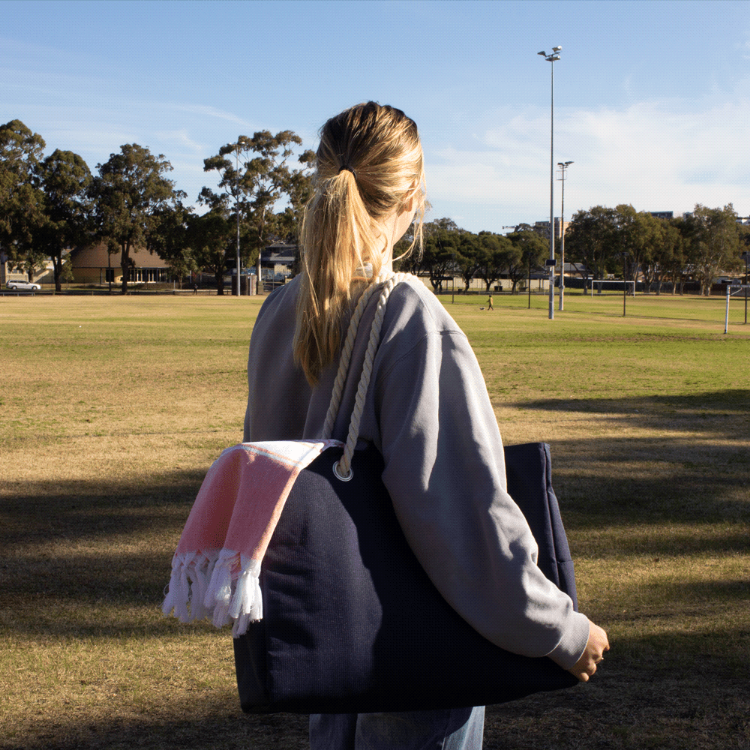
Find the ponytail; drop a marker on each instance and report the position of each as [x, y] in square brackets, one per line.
[369, 164]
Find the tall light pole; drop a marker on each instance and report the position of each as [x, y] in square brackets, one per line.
[237, 209]
[552, 58]
[563, 167]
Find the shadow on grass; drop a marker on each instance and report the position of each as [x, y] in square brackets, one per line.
[690, 471]
[609, 482]
[76, 511]
[98, 553]
[91, 558]
[700, 412]
[211, 723]
[651, 692]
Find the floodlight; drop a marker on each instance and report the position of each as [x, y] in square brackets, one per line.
[542, 53]
[556, 49]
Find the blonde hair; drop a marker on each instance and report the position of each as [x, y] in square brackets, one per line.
[369, 165]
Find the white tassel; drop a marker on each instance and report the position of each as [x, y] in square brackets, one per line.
[198, 585]
[182, 597]
[201, 586]
[247, 604]
[169, 600]
[219, 595]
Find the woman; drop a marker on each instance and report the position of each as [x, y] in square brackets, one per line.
[427, 411]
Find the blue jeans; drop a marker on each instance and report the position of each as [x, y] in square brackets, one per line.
[448, 729]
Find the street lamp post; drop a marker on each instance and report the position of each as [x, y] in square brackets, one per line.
[563, 168]
[237, 209]
[624, 286]
[552, 58]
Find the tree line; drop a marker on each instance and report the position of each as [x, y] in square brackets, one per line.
[600, 241]
[635, 244]
[450, 251]
[50, 204]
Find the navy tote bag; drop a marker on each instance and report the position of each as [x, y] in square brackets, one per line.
[351, 621]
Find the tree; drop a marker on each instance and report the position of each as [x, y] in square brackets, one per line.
[713, 243]
[211, 239]
[494, 254]
[634, 237]
[131, 193]
[65, 215]
[441, 240]
[412, 263]
[299, 190]
[590, 241]
[468, 257]
[669, 258]
[530, 250]
[254, 177]
[21, 197]
[169, 239]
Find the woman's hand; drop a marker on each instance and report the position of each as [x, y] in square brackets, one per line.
[592, 654]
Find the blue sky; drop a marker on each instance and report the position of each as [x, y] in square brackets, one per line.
[652, 99]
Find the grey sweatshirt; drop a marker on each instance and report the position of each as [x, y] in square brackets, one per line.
[428, 413]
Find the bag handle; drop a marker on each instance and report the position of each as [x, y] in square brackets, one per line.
[342, 468]
[345, 359]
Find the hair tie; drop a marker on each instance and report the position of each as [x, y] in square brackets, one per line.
[348, 169]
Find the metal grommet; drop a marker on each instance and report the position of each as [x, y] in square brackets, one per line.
[343, 478]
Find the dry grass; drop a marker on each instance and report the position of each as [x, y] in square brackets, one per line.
[112, 409]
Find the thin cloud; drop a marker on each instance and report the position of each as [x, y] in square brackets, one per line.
[661, 155]
[205, 111]
[180, 138]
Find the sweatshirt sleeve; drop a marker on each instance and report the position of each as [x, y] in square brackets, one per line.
[445, 472]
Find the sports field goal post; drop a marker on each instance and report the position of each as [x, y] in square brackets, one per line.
[600, 282]
[732, 291]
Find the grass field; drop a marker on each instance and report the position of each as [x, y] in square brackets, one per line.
[113, 408]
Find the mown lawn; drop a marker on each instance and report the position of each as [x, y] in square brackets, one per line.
[113, 408]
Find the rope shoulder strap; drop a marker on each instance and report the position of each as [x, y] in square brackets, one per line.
[342, 469]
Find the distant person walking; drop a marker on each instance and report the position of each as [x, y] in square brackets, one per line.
[489, 303]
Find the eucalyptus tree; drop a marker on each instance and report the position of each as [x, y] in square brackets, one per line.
[131, 193]
[494, 254]
[254, 177]
[713, 243]
[405, 261]
[669, 255]
[590, 241]
[211, 237]
[21, 197]
[529, 252]
[635, 237]
[441, 241]
[169, 239]
[468, 257]
[299, 190]
[66, 208]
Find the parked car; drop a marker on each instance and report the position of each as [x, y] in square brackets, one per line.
[23, 286]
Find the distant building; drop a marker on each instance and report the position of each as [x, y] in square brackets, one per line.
[45, 275]
[542, 227]
[92, 264]
[666, 215]
[276, 260]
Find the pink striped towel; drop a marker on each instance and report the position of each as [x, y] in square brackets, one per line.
[216, 566]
